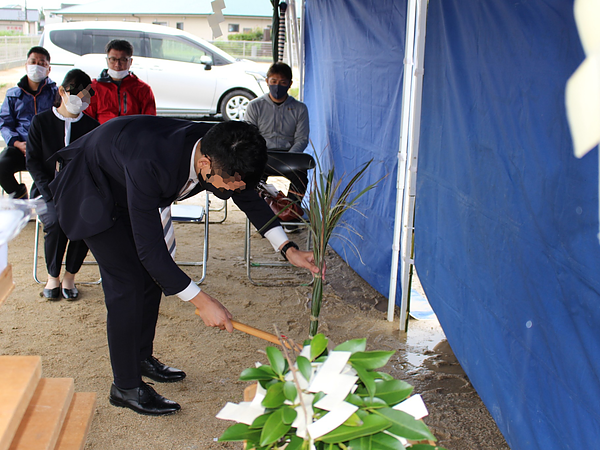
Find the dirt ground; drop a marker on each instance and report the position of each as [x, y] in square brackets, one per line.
[71, 339]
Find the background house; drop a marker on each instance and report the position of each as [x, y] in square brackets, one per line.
[188, 15]
[17, 20]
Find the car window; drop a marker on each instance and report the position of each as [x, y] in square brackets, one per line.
[174, 49]
[70, 40]
[94, 41]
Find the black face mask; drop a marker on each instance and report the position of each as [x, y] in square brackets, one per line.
[278, 91]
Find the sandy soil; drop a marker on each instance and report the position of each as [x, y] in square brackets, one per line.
[71, 339]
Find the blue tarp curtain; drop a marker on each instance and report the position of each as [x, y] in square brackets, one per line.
[353, 82]
[507, 218]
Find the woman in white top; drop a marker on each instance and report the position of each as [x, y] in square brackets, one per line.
[50, 131]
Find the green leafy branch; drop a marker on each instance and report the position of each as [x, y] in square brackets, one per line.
[375, 425]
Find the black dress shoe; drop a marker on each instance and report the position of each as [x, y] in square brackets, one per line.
[157, 371]
[142, 400]
[70, 294]
[51, 294]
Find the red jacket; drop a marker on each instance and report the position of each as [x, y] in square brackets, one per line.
[132, 96]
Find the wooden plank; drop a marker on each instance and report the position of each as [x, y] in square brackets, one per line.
[45, 415]
[19, 377]
[78, 422]
[6, 283]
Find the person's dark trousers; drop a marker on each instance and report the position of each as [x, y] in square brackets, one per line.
[132, 300]
[11, 162]
[298, 183]
[55, 243]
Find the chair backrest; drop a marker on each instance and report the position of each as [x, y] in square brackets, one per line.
[282, 163]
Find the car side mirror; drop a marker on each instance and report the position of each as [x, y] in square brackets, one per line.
[207, 61]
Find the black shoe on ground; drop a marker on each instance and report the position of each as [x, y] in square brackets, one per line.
[51, 294]
[157, 371]
[142, 400]
[70, 294]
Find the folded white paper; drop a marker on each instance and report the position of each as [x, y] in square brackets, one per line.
[304, 417]
[301, 380]
[331, 401]
[399, 438]
[245, 412]
[328, 378]
[414, 406]
[331, 420]
[259, 396]
[306, 352]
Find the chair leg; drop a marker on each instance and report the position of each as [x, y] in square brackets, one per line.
[204, 261]
[36, 254]
[250, 264]
[36, 249]
[222, 208]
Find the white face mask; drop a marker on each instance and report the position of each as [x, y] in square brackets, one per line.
[75, 105]
[118, 74]
[36, 73]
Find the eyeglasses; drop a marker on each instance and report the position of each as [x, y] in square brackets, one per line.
[114, 60]
[43, 62]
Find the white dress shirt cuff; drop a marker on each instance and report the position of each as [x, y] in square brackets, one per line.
[189, 292]
[276, 237]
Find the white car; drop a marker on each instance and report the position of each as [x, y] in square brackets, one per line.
[190, 77]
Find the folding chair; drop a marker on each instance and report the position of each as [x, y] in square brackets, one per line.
[190, 213]
[279, 164]
[38, 225]
[223, 208]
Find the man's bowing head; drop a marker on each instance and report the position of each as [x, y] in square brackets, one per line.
[232, 156]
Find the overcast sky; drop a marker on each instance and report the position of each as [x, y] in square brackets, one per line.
[39, 4]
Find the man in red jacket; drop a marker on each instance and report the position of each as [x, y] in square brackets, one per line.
[118, 91]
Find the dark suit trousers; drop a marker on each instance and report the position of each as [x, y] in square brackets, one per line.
[132, 301]
[298, 182]
[11, 162]
[55, 244]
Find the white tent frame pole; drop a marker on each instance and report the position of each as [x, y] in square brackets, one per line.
[409, 48]
[412, 161]
[292, 19]
[289, 39]
[302, 50]
[408, 156]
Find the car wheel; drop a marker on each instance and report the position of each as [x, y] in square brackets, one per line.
[234, 104]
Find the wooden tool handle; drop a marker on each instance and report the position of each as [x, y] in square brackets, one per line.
[253, 331]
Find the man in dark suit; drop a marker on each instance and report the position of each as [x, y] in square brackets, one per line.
[109, 193]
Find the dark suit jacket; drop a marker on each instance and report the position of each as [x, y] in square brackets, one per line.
[137, 164]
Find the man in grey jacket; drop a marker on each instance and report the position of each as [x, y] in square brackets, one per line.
[282, 121]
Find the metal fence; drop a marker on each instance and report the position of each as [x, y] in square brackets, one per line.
[253, 50]
[13, 50]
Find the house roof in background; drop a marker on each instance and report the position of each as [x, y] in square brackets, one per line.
[14, 14]
[251, 8]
